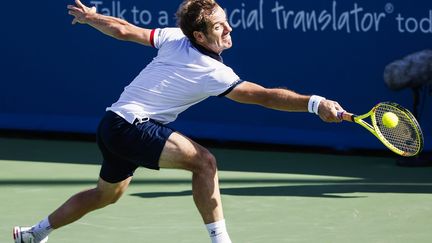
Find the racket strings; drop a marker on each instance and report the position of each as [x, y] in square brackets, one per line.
[405, 136]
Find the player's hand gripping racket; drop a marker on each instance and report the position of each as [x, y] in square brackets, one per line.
[403, 136]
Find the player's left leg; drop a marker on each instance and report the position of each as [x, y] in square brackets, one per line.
[78, 205]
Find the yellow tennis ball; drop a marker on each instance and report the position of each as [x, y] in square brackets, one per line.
[390, 120]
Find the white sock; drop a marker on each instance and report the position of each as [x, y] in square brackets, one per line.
[218, 232]
[42, 229]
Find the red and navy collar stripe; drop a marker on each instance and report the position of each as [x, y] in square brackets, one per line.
[200, 48]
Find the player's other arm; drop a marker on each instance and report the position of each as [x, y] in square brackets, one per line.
[115, 27]
[282, 99]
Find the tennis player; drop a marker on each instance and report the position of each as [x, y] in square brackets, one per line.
[187, 69]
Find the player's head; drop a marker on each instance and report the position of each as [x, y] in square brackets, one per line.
[204, 22]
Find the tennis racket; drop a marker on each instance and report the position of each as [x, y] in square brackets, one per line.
[405, 139]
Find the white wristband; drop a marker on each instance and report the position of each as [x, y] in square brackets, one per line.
[314, 102]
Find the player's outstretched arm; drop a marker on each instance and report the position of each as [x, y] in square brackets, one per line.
[282, 99]
[115, 27]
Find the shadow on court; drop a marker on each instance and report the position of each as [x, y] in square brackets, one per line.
[260, 187]
[56, 151]
[364, 173]
[327, 191]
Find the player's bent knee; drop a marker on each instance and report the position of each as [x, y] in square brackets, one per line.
[104, 199]
[113, 198]
[207, 164]
[109, 193]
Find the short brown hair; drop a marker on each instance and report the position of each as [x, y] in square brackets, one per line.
[193, 15]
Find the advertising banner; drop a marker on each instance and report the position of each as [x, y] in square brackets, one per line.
[61, 77]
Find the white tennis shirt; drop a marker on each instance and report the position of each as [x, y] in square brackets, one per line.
[177, 78]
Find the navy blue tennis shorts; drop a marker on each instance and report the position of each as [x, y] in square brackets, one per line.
[126, 146]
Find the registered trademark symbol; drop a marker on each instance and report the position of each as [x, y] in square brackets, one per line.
[389, 8]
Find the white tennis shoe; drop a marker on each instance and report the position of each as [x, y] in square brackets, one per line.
[25, 235]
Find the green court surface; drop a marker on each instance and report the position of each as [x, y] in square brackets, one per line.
[268, 197]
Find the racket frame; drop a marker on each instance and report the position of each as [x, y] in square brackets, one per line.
[374, 129]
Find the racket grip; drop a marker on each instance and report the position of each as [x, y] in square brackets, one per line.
[346, 116]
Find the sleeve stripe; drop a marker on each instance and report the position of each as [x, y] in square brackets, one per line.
[231, 88]
[152, 33]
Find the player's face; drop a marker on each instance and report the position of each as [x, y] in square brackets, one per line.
[218, 36]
